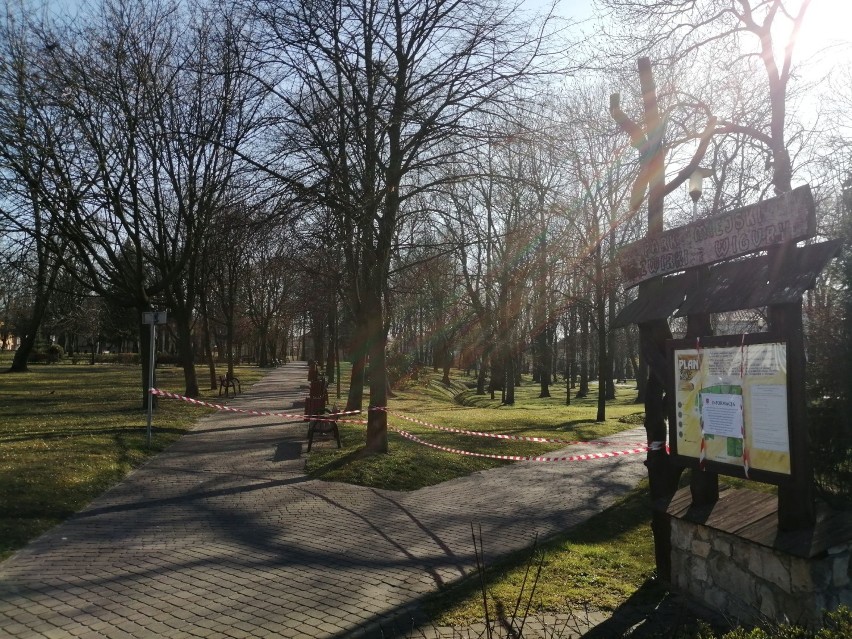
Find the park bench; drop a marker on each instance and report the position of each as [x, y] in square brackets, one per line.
[325, 426]
[227, 382]
[317, 398]
[315, 404]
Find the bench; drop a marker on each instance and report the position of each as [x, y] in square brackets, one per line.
[227, 382]
[324, 427]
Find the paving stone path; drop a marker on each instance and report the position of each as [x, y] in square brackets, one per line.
[222, 535]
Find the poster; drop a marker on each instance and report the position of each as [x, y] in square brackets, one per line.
[735, 399]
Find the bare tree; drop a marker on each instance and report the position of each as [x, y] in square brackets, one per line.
[735, 38]
[599, 220]
[373, 91]
[156, 103]
[39, 175]
[269, 289]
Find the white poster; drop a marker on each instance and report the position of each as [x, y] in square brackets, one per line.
[769, 417]
[722, 414]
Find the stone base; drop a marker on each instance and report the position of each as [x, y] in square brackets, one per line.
[732, 557]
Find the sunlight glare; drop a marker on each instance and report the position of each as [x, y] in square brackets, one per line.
[824, 39]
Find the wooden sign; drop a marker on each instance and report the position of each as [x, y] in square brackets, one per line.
[785, 218]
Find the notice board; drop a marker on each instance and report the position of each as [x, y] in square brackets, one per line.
[729, 405]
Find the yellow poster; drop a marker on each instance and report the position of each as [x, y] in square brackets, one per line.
[734, 399]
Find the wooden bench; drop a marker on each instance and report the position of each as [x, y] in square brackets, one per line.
[325, 426]
[227, 382]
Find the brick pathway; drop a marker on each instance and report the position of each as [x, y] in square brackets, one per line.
[222, 535]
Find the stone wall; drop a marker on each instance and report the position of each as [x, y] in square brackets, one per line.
[754, 583]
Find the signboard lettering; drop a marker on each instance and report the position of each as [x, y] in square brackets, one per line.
[789, 217]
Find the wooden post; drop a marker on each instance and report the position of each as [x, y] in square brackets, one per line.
[648, 140]
[795, 496]
[703, 485]
[653, 156]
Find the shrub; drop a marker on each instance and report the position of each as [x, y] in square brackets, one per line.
[127, 359]
[831, 452]
[402, 367]
[55, 353]
[167, 359]
[836, 625]
[122, 359]
[37, 357]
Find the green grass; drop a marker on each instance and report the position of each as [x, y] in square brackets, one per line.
[599, 563]
[410, 465]
[67, 433]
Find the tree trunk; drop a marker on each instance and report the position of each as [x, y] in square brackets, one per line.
[145, 357]
[498, 375]
[318, 324]
[583, 391]
[567, 363]
[509, 392]
[610, 347]
[480, 375]
[377, 420]
[45, 280]
[446, 360]
[337, 363]
[332, 344]
[208, 340]
[28, 340]
[543, 362]
[358, 357]
[604, 370]
[186, 353]
[229, 343]
[263, 338]
[355, 399]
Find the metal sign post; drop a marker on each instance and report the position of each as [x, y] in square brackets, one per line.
[152, 318]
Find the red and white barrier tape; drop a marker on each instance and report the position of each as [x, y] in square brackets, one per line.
[325, 417]
[620, 453]
[522, 438]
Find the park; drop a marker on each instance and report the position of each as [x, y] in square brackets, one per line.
[422, 318]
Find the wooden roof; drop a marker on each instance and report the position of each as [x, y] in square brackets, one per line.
[729, 286]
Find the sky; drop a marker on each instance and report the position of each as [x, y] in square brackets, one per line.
[825, 42]
[823, 49]
[827, 23]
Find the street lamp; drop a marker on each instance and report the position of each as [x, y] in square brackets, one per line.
[695, 187]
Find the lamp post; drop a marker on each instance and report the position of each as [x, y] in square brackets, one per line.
[696, 187]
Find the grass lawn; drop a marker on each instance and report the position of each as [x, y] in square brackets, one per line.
[67, 433]
[411, 465]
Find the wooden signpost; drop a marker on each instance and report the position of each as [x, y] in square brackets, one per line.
[701, 269]
[736, 403]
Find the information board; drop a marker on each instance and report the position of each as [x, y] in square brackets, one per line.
[728, 407]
